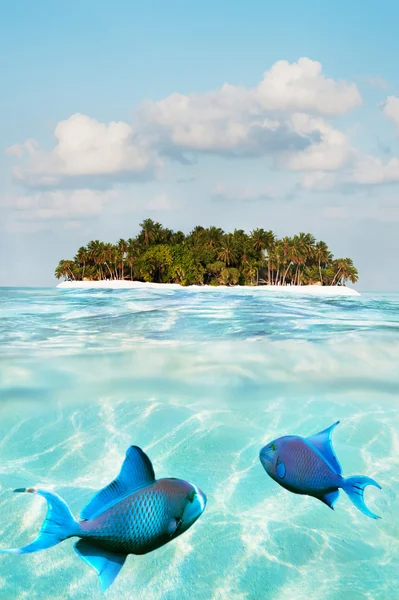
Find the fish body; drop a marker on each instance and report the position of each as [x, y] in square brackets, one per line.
[306, 470]
[144, 520]
[134, 514]
[309, 466]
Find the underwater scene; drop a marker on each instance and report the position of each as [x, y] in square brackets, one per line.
[201, 381]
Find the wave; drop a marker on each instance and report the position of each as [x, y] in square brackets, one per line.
[107, 318]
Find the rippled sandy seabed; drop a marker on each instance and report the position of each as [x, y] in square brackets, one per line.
[201, 382]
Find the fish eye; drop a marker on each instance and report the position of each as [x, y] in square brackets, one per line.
[192, 496]
[273, 447]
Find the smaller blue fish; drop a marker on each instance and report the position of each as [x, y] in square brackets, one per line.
[134, 514]
[309, 466]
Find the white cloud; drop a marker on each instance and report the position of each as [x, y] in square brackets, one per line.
[364, 171]
[227, 122]
[86, 149]
[302, 87]
[18, 150]
[59, 204]
[160, 203]
[391, 109]
[331, 153]
[280, 117]
[239, 121]
[318, 180]
[372, 171]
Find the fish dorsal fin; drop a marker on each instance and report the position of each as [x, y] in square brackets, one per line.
[322, 441]
[106, 564]
[136, 472]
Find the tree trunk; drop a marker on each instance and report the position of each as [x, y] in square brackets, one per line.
[110, 272]
[335, 276]
[285, 274]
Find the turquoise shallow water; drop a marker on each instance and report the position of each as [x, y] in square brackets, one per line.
[202, 381]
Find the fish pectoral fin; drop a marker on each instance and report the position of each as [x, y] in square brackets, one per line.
[322, 441]
[136, 472]
[173, 526]
[280, 470]
[106, 564]
[330, 498]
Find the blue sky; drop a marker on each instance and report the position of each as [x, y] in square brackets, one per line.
[112, 112]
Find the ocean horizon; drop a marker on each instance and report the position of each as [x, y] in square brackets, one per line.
[201, 382]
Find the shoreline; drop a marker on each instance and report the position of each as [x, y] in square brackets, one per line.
[314, 290]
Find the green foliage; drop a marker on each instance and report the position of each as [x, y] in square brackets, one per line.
[229, 276]
[155, 265]
[209, 256]
[187, 268]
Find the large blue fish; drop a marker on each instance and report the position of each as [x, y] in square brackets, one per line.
[134, 514]
[309, 466]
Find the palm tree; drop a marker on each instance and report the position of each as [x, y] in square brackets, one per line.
[258, 237]
[122, 248]
[278, 256]
[250, 270]
[322, 255]
[82, 256]
[287, 246]
[107, 258]
[305, 242]
[227, 253]
[65, 269]
[60, 270]
[177, 238]
[148, 231]
[344, 271]
[214, 236]
[196, 235]
[96, 251]
[132, 254]
[270, 240]
[263, 241]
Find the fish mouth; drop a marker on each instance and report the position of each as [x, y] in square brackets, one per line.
[194, 506]
[201, 498]
[267, 455]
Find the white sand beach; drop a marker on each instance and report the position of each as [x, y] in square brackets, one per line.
[315, 290]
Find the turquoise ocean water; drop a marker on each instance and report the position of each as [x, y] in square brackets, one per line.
[201, 381]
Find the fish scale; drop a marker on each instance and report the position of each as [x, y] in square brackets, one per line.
[312, 473]
[138, 523]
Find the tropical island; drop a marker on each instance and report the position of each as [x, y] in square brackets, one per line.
[209, 256]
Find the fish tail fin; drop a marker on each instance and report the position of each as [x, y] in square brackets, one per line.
[354, 487]
[58, 525]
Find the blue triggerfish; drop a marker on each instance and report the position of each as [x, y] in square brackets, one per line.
[309, 466]
[134, 514]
